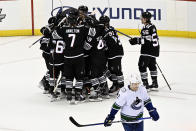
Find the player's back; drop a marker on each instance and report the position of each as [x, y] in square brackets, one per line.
[74, 38]
[57, 46]
[98, 43]
[151, 44]
[113, 43]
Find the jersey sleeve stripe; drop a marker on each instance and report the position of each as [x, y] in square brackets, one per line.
[147, 101]
[116, 106]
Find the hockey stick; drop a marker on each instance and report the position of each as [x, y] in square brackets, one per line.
[163, 76]
[58, 82]
[53, 69]
[123, 34]
[35, 42]
[95, 124]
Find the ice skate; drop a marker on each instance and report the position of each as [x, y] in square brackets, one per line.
[114, 89]
[95, 96]
[154, 86]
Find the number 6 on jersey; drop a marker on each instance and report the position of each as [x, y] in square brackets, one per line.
[60, 44]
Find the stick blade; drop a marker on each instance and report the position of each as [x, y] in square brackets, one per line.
[74, 122]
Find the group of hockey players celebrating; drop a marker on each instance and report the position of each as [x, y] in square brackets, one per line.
[81, 52]
[78, 46]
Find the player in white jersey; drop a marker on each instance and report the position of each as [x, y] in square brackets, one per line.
[132, 100]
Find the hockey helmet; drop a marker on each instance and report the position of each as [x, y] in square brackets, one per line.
[104, 19]
[83, 8]
[134, 78]
[72, 16]
[146, 15]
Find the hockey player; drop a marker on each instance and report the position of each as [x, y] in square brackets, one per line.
[44, 46]
[74, 36]
[53, 23]
[56, 62]
[55, 46]
[132, 100]
[98, 64]
[114, 55]
[83, 14]
[149, 50]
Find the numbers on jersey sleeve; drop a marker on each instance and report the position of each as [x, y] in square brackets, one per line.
[73, 39]
[100, 45]
[155, 40]
[60, 44]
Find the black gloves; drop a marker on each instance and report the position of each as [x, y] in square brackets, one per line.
[135, 41]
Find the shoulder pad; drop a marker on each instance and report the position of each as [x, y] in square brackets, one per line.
[153, 28]
[148, 26]
[55, 35]
[45, 40]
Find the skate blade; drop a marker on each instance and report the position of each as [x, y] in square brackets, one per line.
[106, 97]
[78, 102]
[96, 100]
[72, 102]
[154, 89]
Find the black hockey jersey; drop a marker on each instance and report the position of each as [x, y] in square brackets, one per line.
[74, 38]
[115, 48]
[98, 43]
[44, 45]
[150, 41]
[57, 46]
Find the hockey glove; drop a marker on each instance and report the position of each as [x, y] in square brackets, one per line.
[108, 120]
[152, 111]
[135, 41]
[46, 31]
[52, 20]
[154, 114]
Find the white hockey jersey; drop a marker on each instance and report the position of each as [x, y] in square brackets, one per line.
[131, 103]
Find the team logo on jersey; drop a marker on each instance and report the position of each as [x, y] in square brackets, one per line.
[135, 104]
[2, 16]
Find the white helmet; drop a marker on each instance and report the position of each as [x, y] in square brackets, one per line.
[134, 79]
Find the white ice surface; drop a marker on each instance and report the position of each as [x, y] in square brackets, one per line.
[23, 107]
